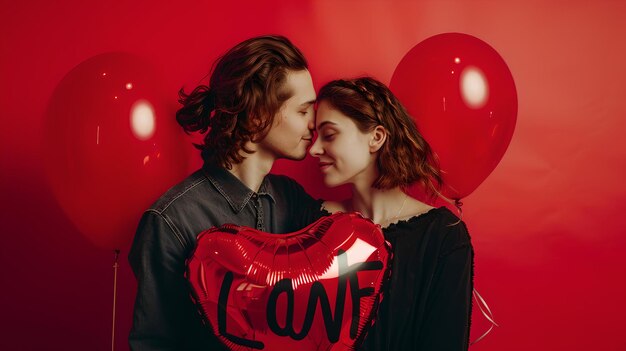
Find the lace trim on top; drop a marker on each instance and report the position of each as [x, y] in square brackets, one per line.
[392, 227]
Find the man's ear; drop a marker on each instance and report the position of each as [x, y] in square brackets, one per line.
[377, 138]
[257, 123]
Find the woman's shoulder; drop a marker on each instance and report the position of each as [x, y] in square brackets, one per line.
[453, 230]
[439, 222]
[335, 206]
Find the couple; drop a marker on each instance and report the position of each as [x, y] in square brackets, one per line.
[259, 107]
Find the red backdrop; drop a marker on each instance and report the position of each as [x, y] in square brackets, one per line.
[547, 225]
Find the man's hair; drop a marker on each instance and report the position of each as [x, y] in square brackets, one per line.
[405, 157]
[245, 91]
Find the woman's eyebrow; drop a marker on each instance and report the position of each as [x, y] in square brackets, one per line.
[326, 123]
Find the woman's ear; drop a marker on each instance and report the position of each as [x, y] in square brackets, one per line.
[377, 139]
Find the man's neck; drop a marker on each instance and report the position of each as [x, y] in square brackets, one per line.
[252, 170]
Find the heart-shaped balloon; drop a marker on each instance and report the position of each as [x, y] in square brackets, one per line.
[316, 289]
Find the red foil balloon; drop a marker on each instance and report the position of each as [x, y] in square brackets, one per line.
[463, 98]
[111, 146]
[317, 289]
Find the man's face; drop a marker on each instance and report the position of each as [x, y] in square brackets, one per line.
[292, 130]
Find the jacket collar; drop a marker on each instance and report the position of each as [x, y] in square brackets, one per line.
[232, 189]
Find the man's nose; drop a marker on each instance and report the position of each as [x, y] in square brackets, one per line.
[311, 122]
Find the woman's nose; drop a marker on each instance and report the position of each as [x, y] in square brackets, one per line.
[316, 149]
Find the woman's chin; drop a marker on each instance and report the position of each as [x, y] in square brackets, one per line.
[331, 183]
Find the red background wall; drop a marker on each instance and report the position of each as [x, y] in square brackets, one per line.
[547, 225]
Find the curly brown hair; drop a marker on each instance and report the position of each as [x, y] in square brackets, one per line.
[406, 157]
[245, 91]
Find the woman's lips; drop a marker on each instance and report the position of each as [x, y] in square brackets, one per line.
[325, 165]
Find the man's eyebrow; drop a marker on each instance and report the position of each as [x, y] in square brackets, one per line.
[307, 104]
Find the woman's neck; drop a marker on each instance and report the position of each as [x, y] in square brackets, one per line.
[379, 205]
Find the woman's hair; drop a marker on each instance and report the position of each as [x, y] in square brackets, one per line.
[405, 157]
[246, 90]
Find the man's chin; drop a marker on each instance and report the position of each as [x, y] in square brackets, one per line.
[295, 156]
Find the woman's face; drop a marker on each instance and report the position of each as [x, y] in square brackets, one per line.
[344, 151]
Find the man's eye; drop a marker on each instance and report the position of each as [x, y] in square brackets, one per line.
[304, 112]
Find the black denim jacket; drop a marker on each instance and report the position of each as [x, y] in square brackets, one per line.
[164, 316]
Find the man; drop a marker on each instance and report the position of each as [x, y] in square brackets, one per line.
[257, 108]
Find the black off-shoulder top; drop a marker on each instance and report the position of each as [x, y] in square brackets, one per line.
[428, 301]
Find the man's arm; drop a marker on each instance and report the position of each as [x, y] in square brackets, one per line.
[164, 316]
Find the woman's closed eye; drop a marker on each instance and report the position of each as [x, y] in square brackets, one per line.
[328, 136]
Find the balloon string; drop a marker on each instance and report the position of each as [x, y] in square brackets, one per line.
[484, 309]
[115, 266]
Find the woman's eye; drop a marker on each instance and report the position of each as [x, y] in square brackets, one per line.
[328, 137]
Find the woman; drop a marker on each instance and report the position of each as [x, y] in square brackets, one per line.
[368, 140]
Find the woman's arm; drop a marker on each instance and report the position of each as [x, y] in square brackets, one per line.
[449, 307]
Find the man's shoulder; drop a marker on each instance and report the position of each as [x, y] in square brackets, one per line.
[181, 191]
[284, 184]
[280, 179]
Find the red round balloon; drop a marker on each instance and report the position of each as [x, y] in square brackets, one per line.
[111, 146]
[462, 96]
[316, 289]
